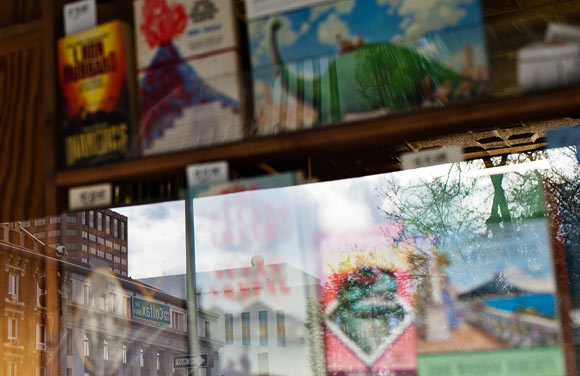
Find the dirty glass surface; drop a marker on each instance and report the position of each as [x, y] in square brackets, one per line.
[446, 270]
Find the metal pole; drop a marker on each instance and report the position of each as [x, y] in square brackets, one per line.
[192, 334]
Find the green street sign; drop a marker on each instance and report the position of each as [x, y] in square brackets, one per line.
[145, 310]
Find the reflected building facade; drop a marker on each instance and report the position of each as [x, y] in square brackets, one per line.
[261, 315]
[91, 236]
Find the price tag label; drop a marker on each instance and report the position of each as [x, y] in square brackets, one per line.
[447, 154]
[79, 16]
[92, 196]
[207, 173]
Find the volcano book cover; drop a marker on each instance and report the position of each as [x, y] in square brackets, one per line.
[96, 70]
[189, 74]
[319, 62]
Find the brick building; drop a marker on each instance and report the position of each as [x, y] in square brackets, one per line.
[91, 237]
[28, 329]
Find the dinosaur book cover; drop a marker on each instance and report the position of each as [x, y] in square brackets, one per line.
[317, 63]
[97, 84]
[189, 74]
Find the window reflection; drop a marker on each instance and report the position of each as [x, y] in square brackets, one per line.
[419, 272]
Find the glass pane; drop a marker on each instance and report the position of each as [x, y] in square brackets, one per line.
[431, 271]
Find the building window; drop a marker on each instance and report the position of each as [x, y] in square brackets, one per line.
[122, 230]
[71, 245]
[12, 369]
[40, 222]
[40, 371]
[39, 235]
[124, 261]
[115, 227]
[124, 355]
[177, 321]
[69, 341]
[84, 234]
[113, 302]
[92, 237]
[53, 233]
[40, 337]
[54, 220]
[127, 306]
[85, 260]
[87, 295]
[157, 362]
[141, 358]
[12, 330]
[25, 223]
[281, 328]
[207, 328]
[101, 241]
[109, 243]
[124, 273]
[105, 350]
[124, 249]
[86, 346]
[84, 248]
[246, 340]
[117, 259]
[71, 218]
[92, 250]
[109, 256]
[99, 221]
[263, 318]
[263, 364]
[107, 224]
[91, 219]
[229, 328]
[100, 253]
[70, 232]
[117, 247]
[84, 218]
[103, 303]
[13, 282]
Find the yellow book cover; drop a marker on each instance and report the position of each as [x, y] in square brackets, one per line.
[97, 82]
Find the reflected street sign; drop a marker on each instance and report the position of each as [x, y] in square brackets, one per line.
[191, 361]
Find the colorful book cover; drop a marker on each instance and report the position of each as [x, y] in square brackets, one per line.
[366, 306]
[323, 62]
[189, 81]
[96, 80]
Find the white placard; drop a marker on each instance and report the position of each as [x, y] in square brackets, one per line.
[80, 15]
[446, 154]
[90, 196]
[260, 8]
[207, 173]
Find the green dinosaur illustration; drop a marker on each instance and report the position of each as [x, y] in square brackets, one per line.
[369, 78]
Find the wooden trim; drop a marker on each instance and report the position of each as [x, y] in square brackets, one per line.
[48, 122]
[20, 29]
[381, 131]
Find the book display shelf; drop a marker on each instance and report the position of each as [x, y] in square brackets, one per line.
[507, 121]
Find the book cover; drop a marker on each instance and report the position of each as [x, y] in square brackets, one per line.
[316, 63]
[366, 307]
[97, 83]
[189, 74]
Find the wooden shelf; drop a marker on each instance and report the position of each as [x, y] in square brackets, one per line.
[388, 130]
